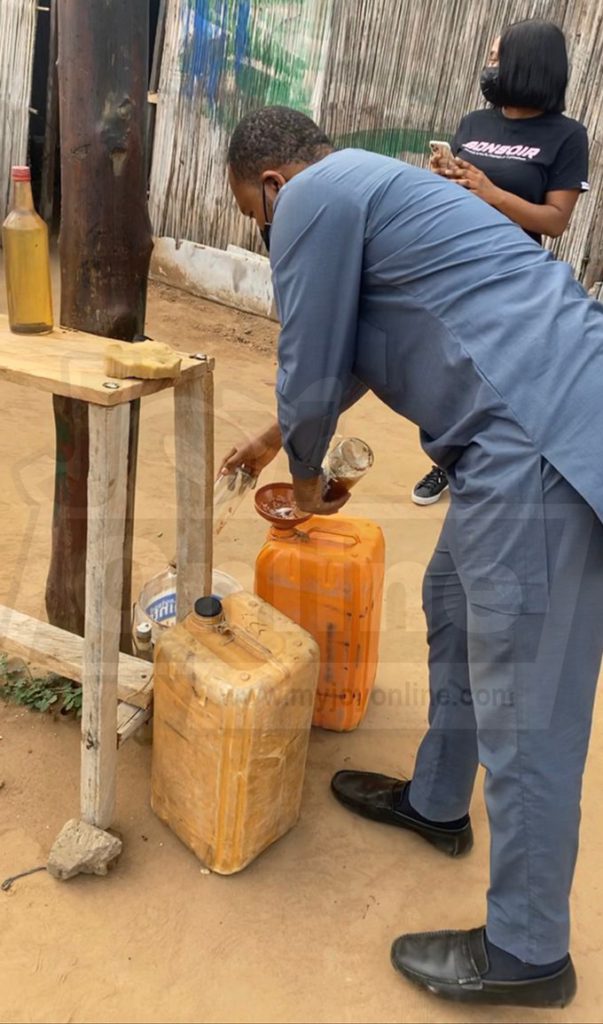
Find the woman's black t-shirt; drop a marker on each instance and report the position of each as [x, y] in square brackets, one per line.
[527, 156]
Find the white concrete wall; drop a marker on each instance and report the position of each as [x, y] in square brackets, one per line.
[234, 277]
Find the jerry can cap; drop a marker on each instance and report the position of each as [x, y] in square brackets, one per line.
[208, 607]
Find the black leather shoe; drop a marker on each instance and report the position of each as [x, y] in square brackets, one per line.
[377, 797]
[453, 965]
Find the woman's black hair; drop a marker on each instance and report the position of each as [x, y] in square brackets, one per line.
[533, 68]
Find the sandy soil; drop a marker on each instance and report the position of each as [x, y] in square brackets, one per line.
[304, 933]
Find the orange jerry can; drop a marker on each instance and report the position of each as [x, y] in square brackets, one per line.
[326, 574]
[233, 696]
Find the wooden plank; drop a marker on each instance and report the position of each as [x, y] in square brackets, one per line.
[158, 48]
[194, 438]
[56, 650]
[70, 363]
[51, 130]
[130, 720]
[154, 78]
[107, 485]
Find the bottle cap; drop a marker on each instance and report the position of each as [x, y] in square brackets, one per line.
[144, 630]
[208, 607]
[21, 174]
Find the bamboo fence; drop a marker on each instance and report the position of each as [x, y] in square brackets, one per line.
[220, 59]
[386, 75]
[17, 34]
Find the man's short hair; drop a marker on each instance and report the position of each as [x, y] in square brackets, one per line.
[273, 136]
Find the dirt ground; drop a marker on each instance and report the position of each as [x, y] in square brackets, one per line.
[304, 933]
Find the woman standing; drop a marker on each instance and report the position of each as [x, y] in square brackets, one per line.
[521, 155]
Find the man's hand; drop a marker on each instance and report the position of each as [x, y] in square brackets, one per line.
[475, 181]
[308, 497]
[254, 455]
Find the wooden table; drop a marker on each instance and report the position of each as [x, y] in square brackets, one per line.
[117, 688]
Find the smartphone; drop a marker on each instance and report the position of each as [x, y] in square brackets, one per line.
[441, 149]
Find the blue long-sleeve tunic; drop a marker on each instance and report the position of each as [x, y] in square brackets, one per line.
[392, 278]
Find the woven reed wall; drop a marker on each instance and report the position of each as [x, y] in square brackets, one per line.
[222, 58]
[582, 244]
[17, 34]
[387, 75]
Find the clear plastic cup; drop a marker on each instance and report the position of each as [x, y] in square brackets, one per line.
[229, 491]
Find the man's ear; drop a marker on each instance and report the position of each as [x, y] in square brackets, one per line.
[273, 180]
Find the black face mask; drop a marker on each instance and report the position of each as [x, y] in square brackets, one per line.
[490, 85]
[265, 231]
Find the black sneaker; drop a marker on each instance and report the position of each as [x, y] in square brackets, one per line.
[431, 488]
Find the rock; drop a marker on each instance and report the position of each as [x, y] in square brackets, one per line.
[82, 849]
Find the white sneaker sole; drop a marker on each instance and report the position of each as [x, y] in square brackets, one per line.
[428, 501]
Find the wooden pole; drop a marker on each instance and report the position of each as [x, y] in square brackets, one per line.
[105, 253]
[107, 506]
[52, 123]
[154, 79]
[194, 437]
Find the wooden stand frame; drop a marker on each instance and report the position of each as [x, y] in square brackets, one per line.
[117, 689]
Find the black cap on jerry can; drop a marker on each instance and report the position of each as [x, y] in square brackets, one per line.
[208, 607]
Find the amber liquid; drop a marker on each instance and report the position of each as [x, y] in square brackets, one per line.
[27, 266]
[344, 466]
[334, 489]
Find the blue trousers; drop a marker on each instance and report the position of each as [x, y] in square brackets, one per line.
[513, 689]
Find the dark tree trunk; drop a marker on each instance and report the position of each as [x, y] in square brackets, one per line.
[105, 251]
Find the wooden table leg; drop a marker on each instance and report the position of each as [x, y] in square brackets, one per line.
[194, 436]
[107, 487]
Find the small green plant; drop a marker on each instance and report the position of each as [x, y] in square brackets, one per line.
[43, 693]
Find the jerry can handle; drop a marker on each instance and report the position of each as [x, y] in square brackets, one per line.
[345, 538]
[253, 646]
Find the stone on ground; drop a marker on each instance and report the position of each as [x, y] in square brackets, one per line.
[82, 849]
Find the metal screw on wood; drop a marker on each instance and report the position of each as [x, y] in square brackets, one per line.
[111, 385]
[200, 356]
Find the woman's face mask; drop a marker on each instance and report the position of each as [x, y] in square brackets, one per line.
[490, 85]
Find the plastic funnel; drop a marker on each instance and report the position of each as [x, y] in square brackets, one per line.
[276, 503]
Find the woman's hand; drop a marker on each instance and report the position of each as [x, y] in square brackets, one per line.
[254, 455]
[440, 165]
[308, 497]
[475, 181]
[548, 218]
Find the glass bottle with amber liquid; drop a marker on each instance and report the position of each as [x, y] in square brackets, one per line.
[26, 261]
[344, 466]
